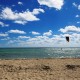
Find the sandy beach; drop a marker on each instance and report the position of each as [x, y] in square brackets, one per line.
[40, 69]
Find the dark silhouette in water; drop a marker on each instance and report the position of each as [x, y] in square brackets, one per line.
[67, 38]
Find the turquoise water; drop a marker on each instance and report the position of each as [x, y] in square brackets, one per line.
[16, 53]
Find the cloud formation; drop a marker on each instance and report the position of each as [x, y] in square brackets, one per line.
[52, 3]
[77, 16]
[78, 22]
[47, 39]
[37, 11]
[49, 33]
[70, 29]
[20, 3]
[17, 31]
[3, 24]
[23, 37]
[35, 33]
[5, 38]
[76, 5]
[20, 17]
[3, 34]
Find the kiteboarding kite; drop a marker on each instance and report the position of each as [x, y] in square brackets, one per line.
[67, 38]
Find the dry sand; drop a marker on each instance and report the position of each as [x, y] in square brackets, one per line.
[40, 69]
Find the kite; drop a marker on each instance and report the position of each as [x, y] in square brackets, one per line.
[67, 38]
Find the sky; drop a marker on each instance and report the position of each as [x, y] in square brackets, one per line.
[39, 23]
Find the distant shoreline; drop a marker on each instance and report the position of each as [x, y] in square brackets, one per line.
[39, 47]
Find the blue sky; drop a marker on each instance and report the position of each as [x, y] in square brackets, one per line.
[39, 23]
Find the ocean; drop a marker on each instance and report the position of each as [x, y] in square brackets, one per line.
[43, 52]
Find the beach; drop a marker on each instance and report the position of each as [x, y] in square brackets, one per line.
[40, 69]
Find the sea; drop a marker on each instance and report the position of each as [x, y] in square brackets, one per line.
[39, 52]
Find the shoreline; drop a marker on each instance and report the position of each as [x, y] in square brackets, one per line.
[38, 58]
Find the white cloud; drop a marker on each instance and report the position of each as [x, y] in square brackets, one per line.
[3, 34]
[13, 5]
[16, 31]
[39, 41]
[48, 33]
[76, 5]
[35, 33]
[46, 41]
[20, 22]
[7, 38]
[23, 37]
[77, 16]
[20, 3]
[78, 22]
[52, 3]
[12, 41]
[37, 11]
[20, 17]
[3, 24]
[70, 29]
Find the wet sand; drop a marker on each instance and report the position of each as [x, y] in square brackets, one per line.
[40, 69]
